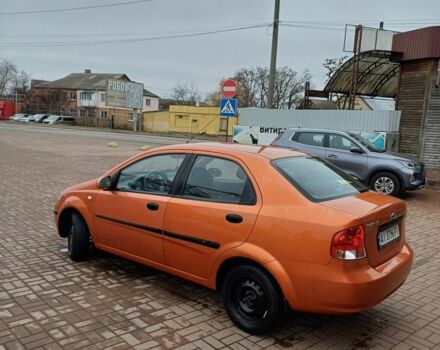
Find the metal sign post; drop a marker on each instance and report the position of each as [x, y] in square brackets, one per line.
[228, 104]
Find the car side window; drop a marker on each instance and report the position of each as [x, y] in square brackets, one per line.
[218, 180]
[340, 142]
[309, 138]
[150, 175]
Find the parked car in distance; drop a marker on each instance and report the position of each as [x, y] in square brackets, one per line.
[248, 221]
[39, 118]
[55, 119]
[18, 116]
[383, 171]
[25, 118]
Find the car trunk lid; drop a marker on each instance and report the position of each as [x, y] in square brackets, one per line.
[383, 218]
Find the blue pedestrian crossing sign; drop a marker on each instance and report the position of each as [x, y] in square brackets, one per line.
[228, 107]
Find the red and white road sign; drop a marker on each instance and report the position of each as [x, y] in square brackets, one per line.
[229, 88]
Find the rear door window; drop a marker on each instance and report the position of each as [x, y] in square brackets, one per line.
[340, 142]
[309, 138]
[219, 180]
[317, 179]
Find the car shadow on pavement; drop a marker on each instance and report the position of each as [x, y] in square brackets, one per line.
[297, 328]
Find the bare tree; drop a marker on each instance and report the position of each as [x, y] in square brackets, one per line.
[8, 72]
[186, 93]
[213, 98]
[21, 83]
[253, 86]
[332, 65]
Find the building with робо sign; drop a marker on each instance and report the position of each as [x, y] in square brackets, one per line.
[83, 95]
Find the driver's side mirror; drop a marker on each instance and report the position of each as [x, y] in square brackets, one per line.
[356, 150]
[105, 183]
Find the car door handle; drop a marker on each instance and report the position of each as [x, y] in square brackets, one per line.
[234, 218]
[152, 206]
[332, 155]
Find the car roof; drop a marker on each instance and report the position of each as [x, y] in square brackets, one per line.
[236, 149]
[319, 130]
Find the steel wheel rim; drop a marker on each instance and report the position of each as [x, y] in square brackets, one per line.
[384, 184]
[250, 300]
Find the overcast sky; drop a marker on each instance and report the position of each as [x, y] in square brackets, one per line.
[203, 60]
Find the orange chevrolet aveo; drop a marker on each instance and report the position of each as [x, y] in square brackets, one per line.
[268, 227]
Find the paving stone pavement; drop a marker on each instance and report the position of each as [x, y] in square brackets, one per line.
[49, 302]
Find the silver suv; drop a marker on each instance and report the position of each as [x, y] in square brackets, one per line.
[386, 172]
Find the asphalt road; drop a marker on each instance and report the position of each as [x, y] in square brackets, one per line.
[100, 134]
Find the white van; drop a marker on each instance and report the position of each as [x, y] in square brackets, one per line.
[54, 119]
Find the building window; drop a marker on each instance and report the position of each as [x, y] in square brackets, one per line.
[103, 114]
[223, 124]
[147, 102]
[130, 117]
[86, 95]
[82, 112]
[73, 95]
[102, 97]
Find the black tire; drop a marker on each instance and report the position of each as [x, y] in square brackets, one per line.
[252, 299]
[386, 182]
[78, 239]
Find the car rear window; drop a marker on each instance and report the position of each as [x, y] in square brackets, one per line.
[317, 179]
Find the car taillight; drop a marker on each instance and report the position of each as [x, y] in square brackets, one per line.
[349, 244]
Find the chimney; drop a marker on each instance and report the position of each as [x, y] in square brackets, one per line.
[88, 71]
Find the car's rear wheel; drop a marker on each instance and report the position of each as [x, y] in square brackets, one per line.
[385, 182]
[78, 239]
[252, 299]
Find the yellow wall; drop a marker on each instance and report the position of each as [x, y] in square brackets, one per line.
[187, 119]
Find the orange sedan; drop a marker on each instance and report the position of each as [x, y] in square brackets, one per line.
[267, 227]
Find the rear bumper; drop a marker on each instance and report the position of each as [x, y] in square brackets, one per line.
[346, 286]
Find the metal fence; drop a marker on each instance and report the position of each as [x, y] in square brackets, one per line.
[325, 119]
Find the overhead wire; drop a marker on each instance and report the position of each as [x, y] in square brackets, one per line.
[328, 25]
[132, 40]
[88, 7]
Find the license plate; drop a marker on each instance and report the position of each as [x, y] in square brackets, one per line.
[388, 236]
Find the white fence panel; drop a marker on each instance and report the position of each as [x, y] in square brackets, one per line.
[325, 119]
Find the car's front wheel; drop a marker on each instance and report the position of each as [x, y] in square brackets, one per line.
[78, 239]
[385, 182]
[252, 299]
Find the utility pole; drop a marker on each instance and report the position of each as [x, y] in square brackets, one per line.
[273, 55]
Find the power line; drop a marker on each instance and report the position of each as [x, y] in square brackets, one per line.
[344, 21]
[113, 35]
[15, 13]
[189, 33]
[126, 41]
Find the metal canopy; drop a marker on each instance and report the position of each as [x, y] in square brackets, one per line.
[377, 75]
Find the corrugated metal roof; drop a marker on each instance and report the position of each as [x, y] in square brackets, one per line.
[325, 119]
[87, 81]
[83, 81]
[418, 44]
[377, 76]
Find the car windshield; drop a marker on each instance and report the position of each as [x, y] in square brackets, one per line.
[53, 117]
[366, 143]
[317, 179]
